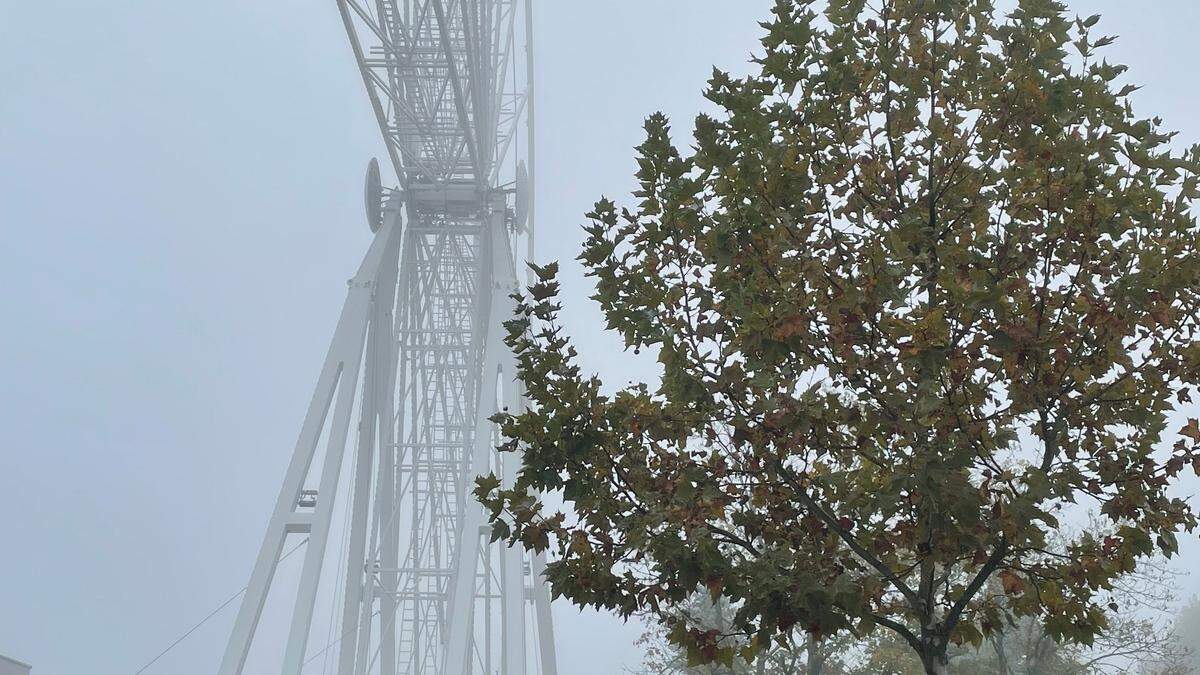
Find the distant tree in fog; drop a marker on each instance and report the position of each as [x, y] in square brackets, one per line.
[1186, 639]
[923, 283]
[1140, 638]
[806, 655]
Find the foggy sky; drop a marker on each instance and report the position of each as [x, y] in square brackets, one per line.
[181, 204]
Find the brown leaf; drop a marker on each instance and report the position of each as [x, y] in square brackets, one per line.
[1191, 430]
[1013, 585]
[1161, 314]
[792, 325]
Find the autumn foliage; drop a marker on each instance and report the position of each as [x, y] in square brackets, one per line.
[925, 285]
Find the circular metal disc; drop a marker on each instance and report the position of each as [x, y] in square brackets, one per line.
[373, 196]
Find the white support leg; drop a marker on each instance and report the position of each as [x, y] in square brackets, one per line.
[386, 516]
[513, 566]
[338, 374]
[474, 518]
[545, 621]
[310, 574]
[374, 418]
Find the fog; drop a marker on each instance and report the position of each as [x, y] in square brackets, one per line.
[181, 204]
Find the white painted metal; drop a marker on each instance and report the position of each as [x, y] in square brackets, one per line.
[13, 667]
[338, 375]
[425, 592]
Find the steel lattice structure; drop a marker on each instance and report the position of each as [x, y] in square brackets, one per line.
[417, 358]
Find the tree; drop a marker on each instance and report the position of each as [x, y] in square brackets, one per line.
[1139, 638]
[804, 655]
[1186, 635]
[923, 284]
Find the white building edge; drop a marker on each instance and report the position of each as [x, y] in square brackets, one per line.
[9, 666]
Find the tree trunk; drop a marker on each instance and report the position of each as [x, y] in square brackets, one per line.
[816, 660]
[933, 657]
[1001, 653]
[936, 665]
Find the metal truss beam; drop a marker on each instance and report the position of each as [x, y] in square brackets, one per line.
[421, 589]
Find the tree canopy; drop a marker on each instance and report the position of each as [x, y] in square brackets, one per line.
[923, 283]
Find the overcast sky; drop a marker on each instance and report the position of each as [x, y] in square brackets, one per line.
[181, 204]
